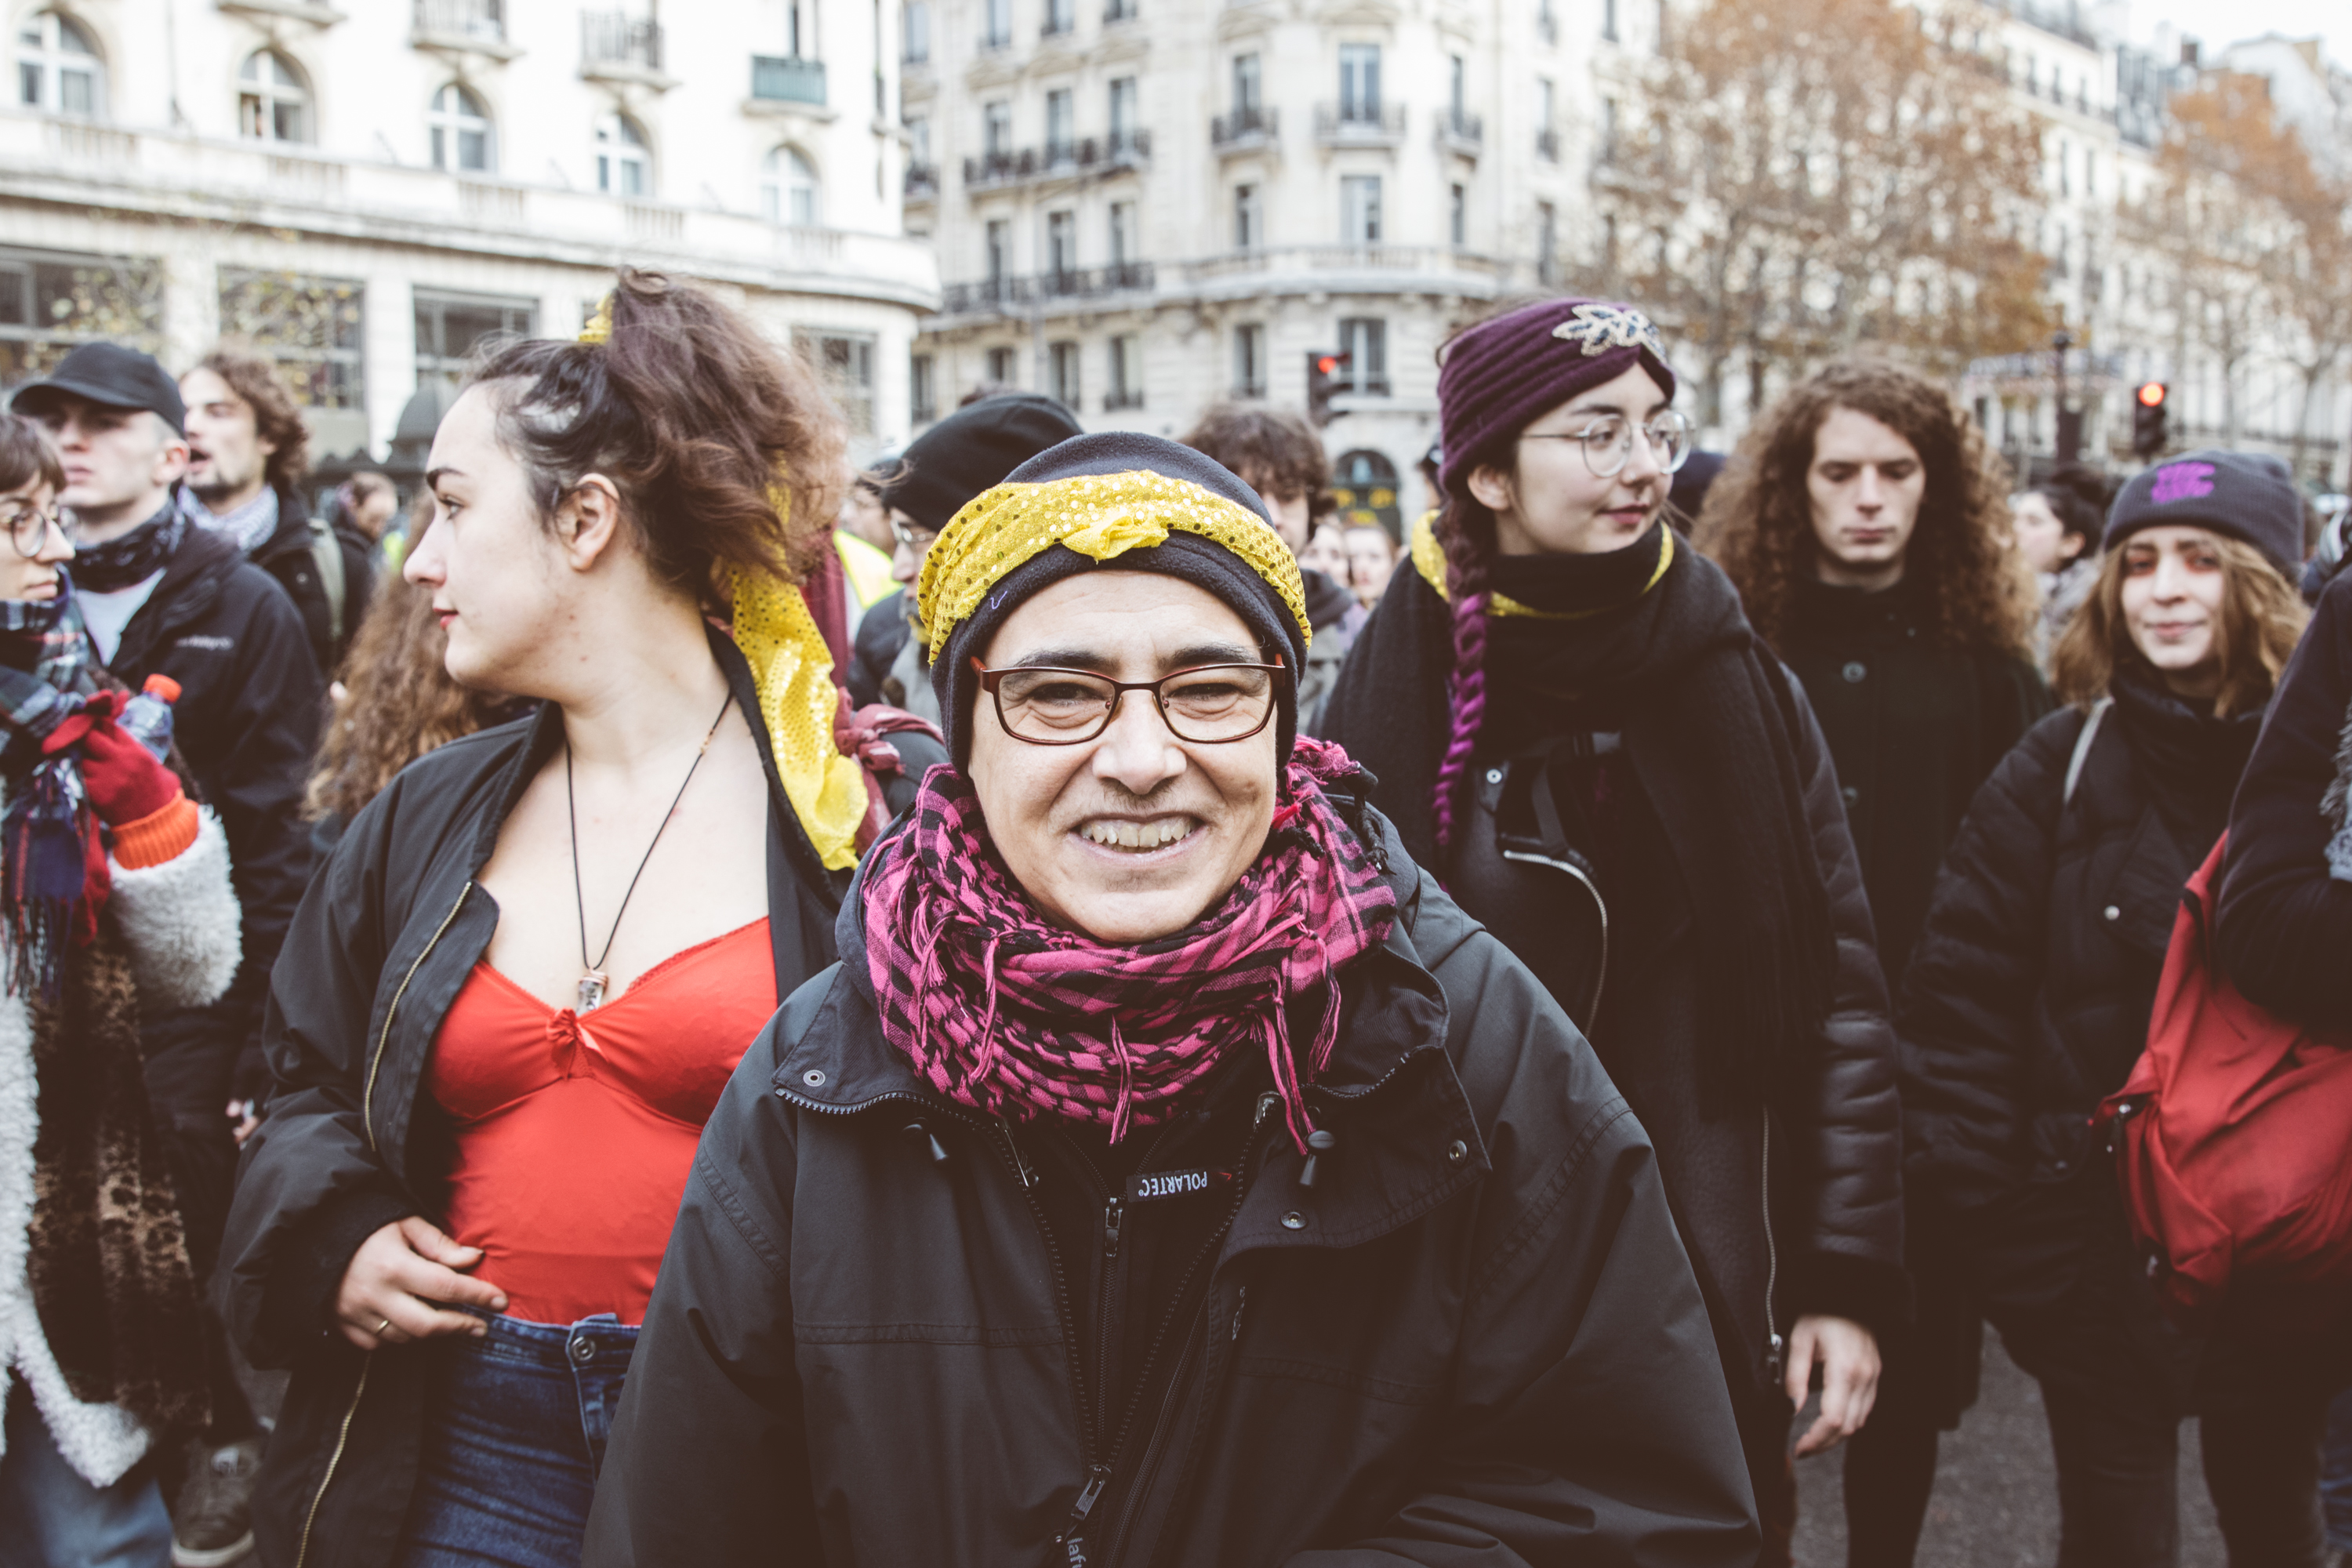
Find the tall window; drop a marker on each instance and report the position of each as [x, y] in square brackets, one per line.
[1249, 360]
[1365, 341]
[1546, 130]
[1126, 373]
[1062, 243]
[1608, 20]
[1249, 231]
[1360, 81]
[1458, 88]
[789, 188]
[51, 303]
[1000, 248]
[310, 328]
[1547, 244]
[1062, 374]
[272, 102]
[1360, 209]
[1122, 233]
[1122, 112]
[1061, 121]
[914, 32]
[999, 24]
[996, 129]
[1457, 216]
[922, 389]
[58, 68]
[624, 166]
[450, 326]
[845, 362]
[919, 141]
[1000, 362]
[1608, 151]
[461, 132]
[1061, 16]
[1247, 87]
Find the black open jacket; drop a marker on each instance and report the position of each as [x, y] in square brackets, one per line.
[288, 555]
[882, 1326]
[387, 936]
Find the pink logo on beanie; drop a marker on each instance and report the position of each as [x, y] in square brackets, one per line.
[2182, 481]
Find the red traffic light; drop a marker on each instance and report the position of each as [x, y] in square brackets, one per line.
[1328, 363]
[2151, 395]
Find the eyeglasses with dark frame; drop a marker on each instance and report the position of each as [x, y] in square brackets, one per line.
[28, 526]
[1608, 442]
[1209, 704]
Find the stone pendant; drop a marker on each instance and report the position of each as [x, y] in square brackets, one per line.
[591, 989]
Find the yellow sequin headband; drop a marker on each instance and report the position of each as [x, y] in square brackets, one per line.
[600, 325]
[1097, 515]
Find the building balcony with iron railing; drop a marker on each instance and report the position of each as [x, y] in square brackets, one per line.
[1115, 402]
[617, 46]
[461, 26]
[1000, 295]
[787, 78]
[1458, 131]
[921, 182]
[1060, 160]
[1245, 129]
[1360, 125]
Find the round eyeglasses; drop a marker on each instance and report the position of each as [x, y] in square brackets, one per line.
[1208, 705]
[28, 526]
[915, 538]
[1608, 441]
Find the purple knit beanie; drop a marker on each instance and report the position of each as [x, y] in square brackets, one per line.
[1502, 374]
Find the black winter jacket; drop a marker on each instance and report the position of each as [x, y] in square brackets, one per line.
[2285, 923]
[251, 699]
[1474, 1338]
[2029, 993]
[385, 939]
[289, 556]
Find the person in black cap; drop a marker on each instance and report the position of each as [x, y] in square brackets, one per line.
[2031, 987]
[1169, 1172]
[949, 464]
[162, 596]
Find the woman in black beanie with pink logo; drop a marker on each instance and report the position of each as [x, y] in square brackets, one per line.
[1575, 728]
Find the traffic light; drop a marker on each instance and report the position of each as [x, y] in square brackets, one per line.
[1326, 373]
[2148, 417]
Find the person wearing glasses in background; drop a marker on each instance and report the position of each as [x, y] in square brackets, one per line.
[949, 464]
[1169, 1173]
[1575, 727]
[1867, 527]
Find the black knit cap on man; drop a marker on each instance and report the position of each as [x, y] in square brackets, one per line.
[957, 458]
[160, 593]
[1169, 1173]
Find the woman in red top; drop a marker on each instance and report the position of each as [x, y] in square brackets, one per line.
[512, 996]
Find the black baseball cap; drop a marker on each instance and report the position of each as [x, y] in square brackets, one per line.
[112, 376]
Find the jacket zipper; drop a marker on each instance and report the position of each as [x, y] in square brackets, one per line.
[1775, 1349]
[342, 1437]
[1599, 905]
[375, 1063]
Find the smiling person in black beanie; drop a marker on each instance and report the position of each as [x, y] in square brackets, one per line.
[949, 464]
[1169, 1174]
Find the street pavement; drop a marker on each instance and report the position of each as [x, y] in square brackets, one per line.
[1996, 1500]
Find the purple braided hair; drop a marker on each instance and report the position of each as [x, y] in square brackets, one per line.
[1466, 559]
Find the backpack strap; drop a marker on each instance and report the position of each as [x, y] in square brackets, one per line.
[326, 552]
[2082, 749]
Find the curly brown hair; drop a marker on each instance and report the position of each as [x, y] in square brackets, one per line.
[1275, 453]
[277, 417]
[400, 702]
[1757, 522]
[2262, 619]
[700, 420]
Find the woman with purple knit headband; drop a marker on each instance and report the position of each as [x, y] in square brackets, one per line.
[1576, 730]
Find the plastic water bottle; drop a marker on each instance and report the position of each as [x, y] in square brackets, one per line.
[148, 714]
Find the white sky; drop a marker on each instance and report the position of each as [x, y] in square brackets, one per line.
[2219, 22]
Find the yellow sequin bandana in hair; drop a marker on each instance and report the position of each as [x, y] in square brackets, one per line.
[1429, 560]
[599, 329]
[1097, 515]
[793, 668]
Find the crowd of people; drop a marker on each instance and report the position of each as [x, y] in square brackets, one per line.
[1243, 1038]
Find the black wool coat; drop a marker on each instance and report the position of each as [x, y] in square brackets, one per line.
[386, 937]
[1474, 1337]
[288, 555]
[2028, 996]
[1914, 729]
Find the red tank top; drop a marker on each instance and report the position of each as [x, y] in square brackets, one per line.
[575, 1133]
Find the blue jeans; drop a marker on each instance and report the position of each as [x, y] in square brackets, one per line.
[51, 1517]
[2336, 1473]
[515, 1426]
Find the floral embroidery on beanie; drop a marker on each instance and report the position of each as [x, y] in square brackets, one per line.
[1600, 328]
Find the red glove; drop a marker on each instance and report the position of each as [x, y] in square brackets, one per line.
[125, 782]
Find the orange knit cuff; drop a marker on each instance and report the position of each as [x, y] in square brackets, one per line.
[156, 838]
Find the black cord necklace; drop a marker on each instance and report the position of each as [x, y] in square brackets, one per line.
[593, 978]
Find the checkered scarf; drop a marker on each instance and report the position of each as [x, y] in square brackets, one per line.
[53, 876]
[1003, 1012]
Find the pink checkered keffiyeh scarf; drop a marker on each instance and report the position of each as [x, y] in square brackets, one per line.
[1005, 1012]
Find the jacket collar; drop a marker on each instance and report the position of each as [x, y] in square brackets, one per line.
[193, 581]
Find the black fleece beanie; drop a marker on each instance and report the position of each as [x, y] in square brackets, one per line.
[2248, 496]
[1198, 560]
[972, 450]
